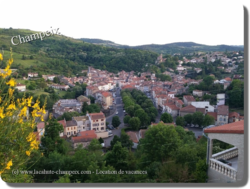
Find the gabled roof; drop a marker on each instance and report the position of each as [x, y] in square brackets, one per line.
[133, 136]
[94, 116]
[189, 98]
[223, 110]
[228, 79]
[235, 127]
[234, 114]
[190, 108]
[71, 123]
[84, 136]
[213, 114]
[40, 125]
[106, 94]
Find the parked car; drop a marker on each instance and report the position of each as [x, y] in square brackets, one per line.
[110, 127]
[124, 111]
[116, 112]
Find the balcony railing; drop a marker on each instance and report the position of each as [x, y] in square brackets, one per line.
[223, 168]
[226, 154]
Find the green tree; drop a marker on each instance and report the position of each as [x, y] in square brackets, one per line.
[188, 118]
[135, 123]
[114, 141]
[125, 140]
[200, 173]
[63, 179]
[101, 140]
[117, 157]
[180, 121]
[156, 144]
[208, 120]
[56, 80]
[198, 118]
[166, 118]
[116, 121]
[130, 110]
[94, 145]
[208, 80]
[84, 107]
[68, 116]
[51, 140]
[126, 119]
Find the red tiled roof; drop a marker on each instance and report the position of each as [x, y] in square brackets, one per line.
[142, 131]
[213, 114]
[106, 94]
[234, 114]
[235, 127]
[202, 110]
[228, 79]
[190, 108]
[40, 125]
[172, 106]
[84, 136]
[189, 98]
[37, 136]
[133, 136]
[223, 110]
[97, 115]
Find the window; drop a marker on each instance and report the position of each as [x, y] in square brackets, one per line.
[220, 118]
[83, 127]
[68, 128]
[102, 119]
[102, 123]
[74, 132]
[224, 119]
[94, 129]
[93, 120]
[96, 120]
[74, 127]
[102, 128]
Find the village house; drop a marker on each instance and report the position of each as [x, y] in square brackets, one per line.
[203, 104]
[60, 87]
[20, 87]
[82, 122]
[71, 128]
[98, 124]
[222, 115]
[32, 74]
[83, 138]
[142, 133]
[133, 136]
[66, 105]
[190, 109]
[83, 99]
[106, 99]
[197, 93]
[63, 123]
[187, 99]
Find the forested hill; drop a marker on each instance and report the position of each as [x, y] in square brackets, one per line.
[171, 48]
[64, 55]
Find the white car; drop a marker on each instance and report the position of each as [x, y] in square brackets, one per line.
[116, 112]
[124, 111]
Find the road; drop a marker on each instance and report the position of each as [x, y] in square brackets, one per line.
[119, 108]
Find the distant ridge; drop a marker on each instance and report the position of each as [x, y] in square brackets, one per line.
[170, 48]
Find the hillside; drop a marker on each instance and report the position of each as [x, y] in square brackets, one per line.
[171, 48]
[63, 55]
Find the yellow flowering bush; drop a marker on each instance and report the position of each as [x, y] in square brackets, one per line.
[17, 139]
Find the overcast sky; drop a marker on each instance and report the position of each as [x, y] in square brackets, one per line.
[132, 22]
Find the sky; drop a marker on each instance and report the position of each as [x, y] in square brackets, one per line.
[132, 22]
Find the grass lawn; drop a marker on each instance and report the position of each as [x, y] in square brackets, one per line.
[18, 59]
[60, 93]
[38, 92]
